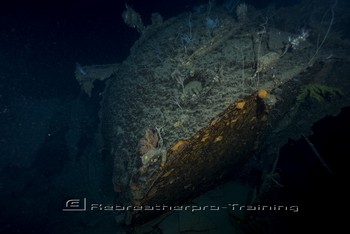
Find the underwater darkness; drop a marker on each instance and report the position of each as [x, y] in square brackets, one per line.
[46, 120]
[308, 182]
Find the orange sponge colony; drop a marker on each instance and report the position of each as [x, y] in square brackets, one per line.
[240, 105]
[262, 93]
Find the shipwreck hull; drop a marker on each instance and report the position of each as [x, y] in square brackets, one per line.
[202, 162]
[209, 107]
[219, 151]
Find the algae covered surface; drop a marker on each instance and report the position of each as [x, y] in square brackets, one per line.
[186, 70]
